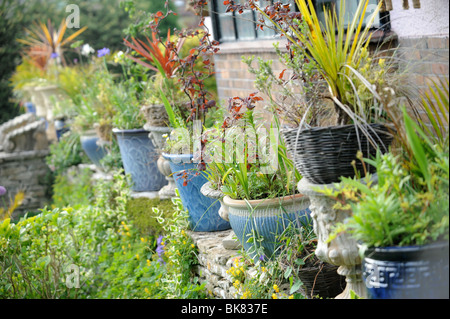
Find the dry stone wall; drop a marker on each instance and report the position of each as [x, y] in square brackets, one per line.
[23, 148]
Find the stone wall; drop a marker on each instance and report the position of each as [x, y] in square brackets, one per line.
[25, 171]
[217, 252]
[23, 148]
[213, 262]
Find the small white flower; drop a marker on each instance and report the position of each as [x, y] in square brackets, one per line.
[86, 49]
[118, 57]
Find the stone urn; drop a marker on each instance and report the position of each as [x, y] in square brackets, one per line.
[104, 133]
[37, 100]
[50, 93]
[343, 250]
[208, 191]
[156, 123]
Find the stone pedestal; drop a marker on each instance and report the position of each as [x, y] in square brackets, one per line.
[156, 135]
[342, 251]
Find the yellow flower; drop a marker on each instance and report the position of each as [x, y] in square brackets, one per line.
[192, 245]
[148, 262]
[291, 297]
[275, 287]
[146, 290]
[274, 296]
[143, 239]
[137, 256]
[263, 269]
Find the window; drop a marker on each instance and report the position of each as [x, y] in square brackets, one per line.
[230, 26]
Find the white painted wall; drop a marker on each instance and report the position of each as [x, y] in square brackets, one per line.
[432, 19]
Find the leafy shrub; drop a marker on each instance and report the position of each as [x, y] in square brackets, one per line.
[66, 153]
[140, 211]
[73, 188]
[96, 251]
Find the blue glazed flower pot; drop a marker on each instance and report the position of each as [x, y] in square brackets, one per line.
[139, 158]
[203, 211]
[412, 272]
[258, 223]
[94, 152]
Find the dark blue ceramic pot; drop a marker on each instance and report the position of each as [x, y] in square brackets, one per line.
[258, 223]
[94, 152]
[203, 211]
[413, 272]
[139, 158]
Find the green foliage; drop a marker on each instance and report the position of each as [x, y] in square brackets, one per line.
[73, 187]
[179, 253]
[401, 208]
[9, 27]
[99, 247]
[140, 211]
[250, 164]
[409, 202]
[66, 153]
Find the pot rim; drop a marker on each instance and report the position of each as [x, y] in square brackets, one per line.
[131, 131]
[161, 129]
[406, 249]
[334, 127]
[265, 202]
[170, 157]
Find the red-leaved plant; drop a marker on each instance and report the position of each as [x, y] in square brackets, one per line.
[191, 80]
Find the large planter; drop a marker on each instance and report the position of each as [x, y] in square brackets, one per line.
[50, 93]
[139, 158]
[324, 154]
[203, 211]
[37, 100]
[93, 151]
[414, 272]
[258, 223]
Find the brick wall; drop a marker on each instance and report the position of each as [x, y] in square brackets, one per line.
[425, 58]
[232, 75]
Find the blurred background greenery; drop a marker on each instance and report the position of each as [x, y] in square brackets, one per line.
[108, 22]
